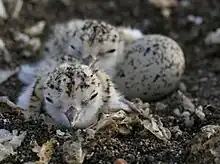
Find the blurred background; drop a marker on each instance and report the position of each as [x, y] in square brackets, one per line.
[194, 24]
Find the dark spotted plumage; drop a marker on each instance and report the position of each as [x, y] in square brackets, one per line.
[94, 32]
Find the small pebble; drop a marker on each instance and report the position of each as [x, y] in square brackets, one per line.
[35, 43]
[36, 29]
[60, 133]
[4, 53]
[176, 111]
[160, 106]
[163, 3]
[213, 37]
[3, 13]
[120, 161]
[199, 112]
[195, 19]
[182, 87]
[66, 2]
[17, 8]
[185, 102]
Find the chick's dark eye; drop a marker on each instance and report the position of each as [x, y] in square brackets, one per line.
[111, 51]
[72, 47]
[85, 102]
[49, 100]
[93, 96]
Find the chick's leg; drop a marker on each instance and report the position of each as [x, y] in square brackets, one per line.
[118, 102]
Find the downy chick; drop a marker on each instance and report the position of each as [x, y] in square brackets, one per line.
[73, 95]
[90, 40]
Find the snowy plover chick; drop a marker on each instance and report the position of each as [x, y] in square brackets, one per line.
[86, 38]
[73, 95]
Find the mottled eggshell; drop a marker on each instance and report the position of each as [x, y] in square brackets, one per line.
[152, 68]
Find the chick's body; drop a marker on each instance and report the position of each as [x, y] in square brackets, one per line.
[87, 38]
[72, 93]
[84, 39]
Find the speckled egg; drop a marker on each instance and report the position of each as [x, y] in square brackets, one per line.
[152, 67]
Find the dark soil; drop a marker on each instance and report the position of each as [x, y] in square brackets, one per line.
[202, 77]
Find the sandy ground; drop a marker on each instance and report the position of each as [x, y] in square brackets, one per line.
[200, 83]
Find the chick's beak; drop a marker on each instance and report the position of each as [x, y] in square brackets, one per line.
[72, 114]
[88, 59]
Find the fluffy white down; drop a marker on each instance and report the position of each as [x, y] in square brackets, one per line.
[130, 34]
[135, 33]
[24, 98]
[27, 74]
